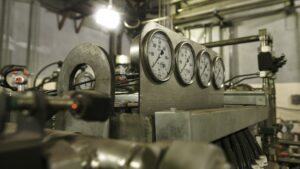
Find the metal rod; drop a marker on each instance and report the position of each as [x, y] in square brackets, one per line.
[55, 103]
[200, 4]
[234, 41]
[29, 37]
[2, 21]
[196, 17]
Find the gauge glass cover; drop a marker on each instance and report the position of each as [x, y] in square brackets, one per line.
[158, 55]
[204, 69]
[85, 78]
[219, 72]
[185, 63]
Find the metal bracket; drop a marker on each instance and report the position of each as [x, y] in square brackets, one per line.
[61, 21]
[77, 26]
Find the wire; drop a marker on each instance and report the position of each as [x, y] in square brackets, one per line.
[81, 83]
[238, 76]
[59, 63]
[121, 84]
[246, 78]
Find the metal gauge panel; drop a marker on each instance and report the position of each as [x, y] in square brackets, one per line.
[185, 63]
[218, 72]
[155, 96]
[204, 65]
[158, 55]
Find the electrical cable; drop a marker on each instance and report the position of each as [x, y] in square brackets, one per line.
[238, 76]
[117, 84]
[246, 78]
[59, 63]
[81, 83]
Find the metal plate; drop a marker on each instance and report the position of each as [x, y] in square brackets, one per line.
[245, 98]
[98, 60]
[206, 125]
[157, 97]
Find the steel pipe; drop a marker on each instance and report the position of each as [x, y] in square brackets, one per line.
[253, 38]
[185, 19]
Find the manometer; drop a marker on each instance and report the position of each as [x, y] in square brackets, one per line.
[158, 55]
[204, 68]
[84, 81]
[185, 63]
[219, 72]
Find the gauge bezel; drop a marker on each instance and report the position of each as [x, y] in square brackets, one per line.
[214, 78]
[177, 51]
[201, 54]
[145, 55]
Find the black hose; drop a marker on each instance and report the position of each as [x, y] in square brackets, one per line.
[238, 76]
[59, 63]
[246, 78]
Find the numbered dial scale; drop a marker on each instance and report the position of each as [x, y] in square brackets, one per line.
[204, 64]
[85, 81]
[185, 63]
[219, 72]
[158, 55]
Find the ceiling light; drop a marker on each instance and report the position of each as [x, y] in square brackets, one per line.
[108, 17]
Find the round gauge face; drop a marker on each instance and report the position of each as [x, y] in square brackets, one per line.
[16, 77]
[85, 81]
[185, 63]
[158, 53]
[204, 69]
[219, 72]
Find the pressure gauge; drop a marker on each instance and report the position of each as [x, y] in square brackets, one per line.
[219, 72]
[84, 81]
[185, 63]
[204, 68]
[158, 55]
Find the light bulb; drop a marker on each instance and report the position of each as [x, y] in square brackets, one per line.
[108, 17]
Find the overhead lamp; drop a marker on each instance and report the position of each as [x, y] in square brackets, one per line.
[108, 17]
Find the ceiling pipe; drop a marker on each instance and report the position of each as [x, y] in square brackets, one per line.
[200, 4]
[229, 21]
[180, 19]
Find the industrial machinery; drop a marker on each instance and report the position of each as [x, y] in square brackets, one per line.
[169, 89]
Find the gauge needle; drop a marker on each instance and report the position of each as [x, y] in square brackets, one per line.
[185, 65]
[218, 72]
[161, 53]
[203, 70]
